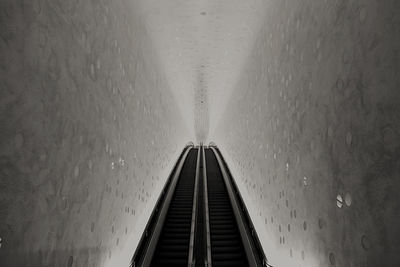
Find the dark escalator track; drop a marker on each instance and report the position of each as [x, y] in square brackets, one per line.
[226, 244]
[173, 245]
[200, 218]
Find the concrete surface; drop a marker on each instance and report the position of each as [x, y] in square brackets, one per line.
[89, 132]
[312, 133]
[97, 99]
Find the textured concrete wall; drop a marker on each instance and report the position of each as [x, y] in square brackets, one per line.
[88, 133]
[316, 117]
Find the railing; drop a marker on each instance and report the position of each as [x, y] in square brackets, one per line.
[208, 262]
[191, 259]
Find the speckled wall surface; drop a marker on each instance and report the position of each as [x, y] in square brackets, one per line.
[312, 133]
[89, 132]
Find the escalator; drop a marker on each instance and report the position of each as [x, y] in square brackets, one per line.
[200, 218]
[172, 248]
[226, 244]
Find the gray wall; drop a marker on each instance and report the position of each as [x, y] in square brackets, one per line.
[315, 115]
[89, 132]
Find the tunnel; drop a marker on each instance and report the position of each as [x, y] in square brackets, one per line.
[272, 123]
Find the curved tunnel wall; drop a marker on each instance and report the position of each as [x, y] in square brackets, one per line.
[315, 117]
[89, 132]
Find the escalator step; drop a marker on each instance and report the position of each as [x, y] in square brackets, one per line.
[173, 242]
[230, 263]
[223, 256]
[170, 262]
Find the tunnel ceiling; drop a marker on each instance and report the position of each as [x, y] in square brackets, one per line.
[202, 46]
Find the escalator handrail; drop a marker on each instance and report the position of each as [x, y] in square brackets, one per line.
[191, 259]
[147, 244]
[208, 262]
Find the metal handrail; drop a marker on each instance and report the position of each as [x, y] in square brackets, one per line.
[191, 259]
[208, 262]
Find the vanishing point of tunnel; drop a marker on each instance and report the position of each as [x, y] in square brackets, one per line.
[294, 106]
